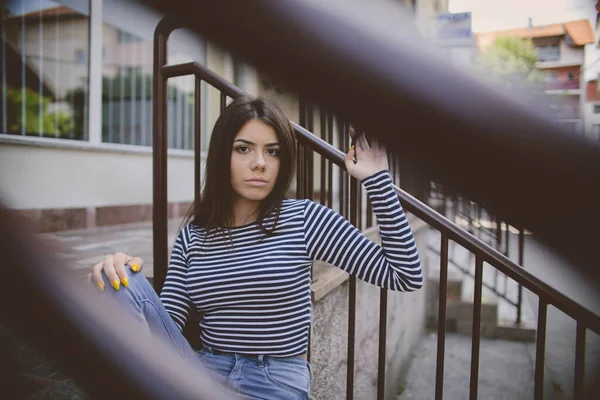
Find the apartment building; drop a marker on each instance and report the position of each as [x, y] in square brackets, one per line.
[562, 57]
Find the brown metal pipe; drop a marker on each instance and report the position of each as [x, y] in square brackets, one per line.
[320, 53]
[476, 328]
[442, 300]
[197, 142]
[159, 154]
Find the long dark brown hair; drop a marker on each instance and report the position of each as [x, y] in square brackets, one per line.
[214, 209]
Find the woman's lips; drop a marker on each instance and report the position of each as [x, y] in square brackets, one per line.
[256, 182]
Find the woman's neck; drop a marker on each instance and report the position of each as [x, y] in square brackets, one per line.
[244, 212]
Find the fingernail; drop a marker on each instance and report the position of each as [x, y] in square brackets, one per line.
[125, 281]
[101, 286]
[351, 147]
[115, 283]
[135, 268]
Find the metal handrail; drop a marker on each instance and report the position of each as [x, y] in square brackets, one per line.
[429, 112]
[414, 206]
[308, 144]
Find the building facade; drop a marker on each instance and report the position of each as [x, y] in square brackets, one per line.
[76, 111]
[76, 108]
[562, 56]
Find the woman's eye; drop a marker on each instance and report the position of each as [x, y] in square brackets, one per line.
[273, 152]
[243, 149]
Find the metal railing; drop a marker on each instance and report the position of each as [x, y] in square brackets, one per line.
[462, 211]
[349, 197]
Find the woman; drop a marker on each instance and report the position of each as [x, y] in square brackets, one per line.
[244, 261]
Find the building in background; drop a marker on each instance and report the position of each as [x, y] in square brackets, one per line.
[75, 108]
[562, 56]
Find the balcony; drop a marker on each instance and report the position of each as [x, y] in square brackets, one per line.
[573, 85]
[568, 113]
[548, 53]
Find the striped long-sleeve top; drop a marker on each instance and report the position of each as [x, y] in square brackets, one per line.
[253, 291]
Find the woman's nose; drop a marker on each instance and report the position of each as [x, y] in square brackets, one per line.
[259, 162]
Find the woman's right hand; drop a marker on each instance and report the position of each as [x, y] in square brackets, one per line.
[114, 266]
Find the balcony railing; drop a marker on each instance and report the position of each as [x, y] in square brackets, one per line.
[563, 85]
[550, 53]
[350, 197]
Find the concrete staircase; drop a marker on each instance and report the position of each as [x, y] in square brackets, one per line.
[498, 315]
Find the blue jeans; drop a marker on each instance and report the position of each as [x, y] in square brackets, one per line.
[258, 377]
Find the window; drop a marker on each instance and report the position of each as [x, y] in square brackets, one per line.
[44, 56]
[548, 53]
[126, 37]
[127, 91]
[596, 108]
[80, 56]
[552, 76]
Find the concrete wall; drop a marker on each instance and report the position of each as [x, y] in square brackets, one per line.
[591, 119]
[36, 174]
[570, 54]
[405, 326]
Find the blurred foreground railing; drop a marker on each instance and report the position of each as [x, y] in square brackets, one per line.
[350, 205]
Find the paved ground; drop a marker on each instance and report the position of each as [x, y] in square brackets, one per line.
[505, 370]
[506, 367]
[84, 248]
[551, 268]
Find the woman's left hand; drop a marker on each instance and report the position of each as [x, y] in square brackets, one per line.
[370, 159]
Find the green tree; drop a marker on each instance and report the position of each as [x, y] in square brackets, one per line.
[512, 61]
[36, 118]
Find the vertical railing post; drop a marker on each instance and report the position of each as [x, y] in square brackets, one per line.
[309, 154]
[442, 299]
[476, 327]
[300, 160]
[521, 263]
[540, 350]
[351, 301]
[383, 293]
[341, 131]
[579, 362]
[506, 253]
[300, 185]
[323, 172]
[222, 102]
[159, 154]
[498, 244]
[197, 143]
[329, 162]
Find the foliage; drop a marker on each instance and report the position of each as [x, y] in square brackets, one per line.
[511, 60]
[57, 124]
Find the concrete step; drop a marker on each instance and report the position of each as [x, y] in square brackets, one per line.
[498, 315]
[506, 370]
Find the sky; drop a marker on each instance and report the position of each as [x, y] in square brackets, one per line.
[490, 15]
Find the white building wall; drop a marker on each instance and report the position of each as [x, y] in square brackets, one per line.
[60, 174]
[570, 55]
[41, 173]
[591, 119]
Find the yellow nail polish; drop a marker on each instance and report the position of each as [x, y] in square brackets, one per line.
[135, 268]
[125, 281]
[115, 283]
[101, 286]
[351, 147]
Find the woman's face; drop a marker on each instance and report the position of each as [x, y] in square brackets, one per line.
[254, 161]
